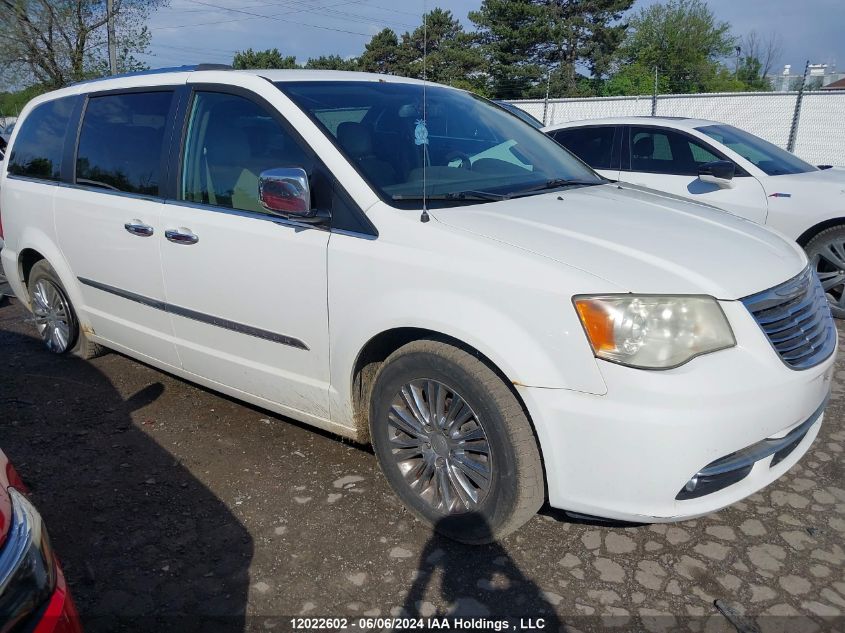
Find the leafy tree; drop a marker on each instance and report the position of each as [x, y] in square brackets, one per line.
[759, 55]
[331, 62]
[683, 39]
[270, 58]
[11, 103]
[55, 43]
[381, 54]
[581, 31]
[526, 41]
[508, 32]
[441, 51]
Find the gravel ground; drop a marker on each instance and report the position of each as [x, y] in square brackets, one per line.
[174, 508]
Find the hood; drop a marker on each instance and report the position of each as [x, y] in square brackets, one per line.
[832, 179]
[639, 240]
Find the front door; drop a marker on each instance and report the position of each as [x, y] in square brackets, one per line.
[668, 160]
[246, 289]
[109, 222]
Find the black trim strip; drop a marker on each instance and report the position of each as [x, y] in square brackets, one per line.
[198, 316]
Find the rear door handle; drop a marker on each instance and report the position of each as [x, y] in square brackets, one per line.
[136, 227]
[181, 236]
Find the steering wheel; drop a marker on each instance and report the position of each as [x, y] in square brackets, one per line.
[466, 163]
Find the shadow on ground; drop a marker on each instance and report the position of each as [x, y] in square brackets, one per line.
[447, 571]
[144, 544]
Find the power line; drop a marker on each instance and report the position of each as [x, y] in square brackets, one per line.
[280, 19]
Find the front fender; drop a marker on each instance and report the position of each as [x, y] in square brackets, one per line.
[513, 307]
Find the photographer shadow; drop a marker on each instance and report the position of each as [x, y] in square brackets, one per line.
[475, 581]
[144, 544]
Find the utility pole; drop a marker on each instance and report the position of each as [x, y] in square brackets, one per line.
[112, 42]
[736, 70]
[654, 95]
[546, 102]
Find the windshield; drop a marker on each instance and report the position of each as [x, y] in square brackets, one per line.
[466, 148]
[768, 157]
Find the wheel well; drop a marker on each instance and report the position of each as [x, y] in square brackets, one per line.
[378, 348]
[28, 258]
[810, 233]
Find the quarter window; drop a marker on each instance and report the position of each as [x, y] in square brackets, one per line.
[662, 151]
[120, 146]
[593, 145]
[37, 152]
[230, 141]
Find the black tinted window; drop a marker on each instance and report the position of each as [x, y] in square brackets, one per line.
[38, 148]
[593, 145]
[121, 142]
[231, 140]
[662, 151]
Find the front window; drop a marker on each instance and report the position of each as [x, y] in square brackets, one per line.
[764, 155]
[464, 148]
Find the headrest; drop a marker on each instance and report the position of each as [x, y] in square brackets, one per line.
[644, 147]
[355, 138]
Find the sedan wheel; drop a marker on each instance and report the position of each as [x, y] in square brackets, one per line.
[826, 252]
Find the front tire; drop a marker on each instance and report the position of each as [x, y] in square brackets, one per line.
[454, 442]
[826, 252]
[55, 317]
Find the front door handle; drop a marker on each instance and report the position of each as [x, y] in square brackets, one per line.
[136, 227]
[181, 236]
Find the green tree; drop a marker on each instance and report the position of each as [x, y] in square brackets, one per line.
[684, 40]
[270, 58]
[11, 103]
[55, 43]
[381, 54]
[331, 62]
[441, 51]
[582, 31]
[508, 32]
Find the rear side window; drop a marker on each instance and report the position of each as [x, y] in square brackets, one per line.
[120, 146]
[593, 145]
[37, 152]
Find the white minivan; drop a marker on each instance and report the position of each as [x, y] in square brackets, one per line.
[411, 266]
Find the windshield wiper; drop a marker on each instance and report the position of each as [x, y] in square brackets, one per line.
[554, 183]
[454, 195]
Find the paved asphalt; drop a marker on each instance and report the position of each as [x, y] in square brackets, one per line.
[173, 508]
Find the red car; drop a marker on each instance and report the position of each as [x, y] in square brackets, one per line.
[33, 593]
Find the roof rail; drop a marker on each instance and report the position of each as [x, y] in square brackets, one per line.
[158, 71]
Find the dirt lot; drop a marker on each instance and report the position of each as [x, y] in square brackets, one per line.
[174, 508]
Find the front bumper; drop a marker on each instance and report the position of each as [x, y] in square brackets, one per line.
[627, 455]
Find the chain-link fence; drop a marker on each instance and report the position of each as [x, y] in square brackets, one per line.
[819, 137]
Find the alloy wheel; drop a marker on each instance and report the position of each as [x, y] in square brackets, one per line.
[440, 446]
[52, 315]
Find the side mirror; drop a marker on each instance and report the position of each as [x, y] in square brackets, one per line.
[717, 172]
[286, 191]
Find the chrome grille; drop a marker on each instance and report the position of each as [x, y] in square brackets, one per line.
[796, 318]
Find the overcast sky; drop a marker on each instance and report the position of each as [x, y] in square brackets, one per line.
[192, 31]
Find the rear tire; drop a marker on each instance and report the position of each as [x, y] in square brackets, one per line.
[826, 252]
[55, 317]
[454, 442]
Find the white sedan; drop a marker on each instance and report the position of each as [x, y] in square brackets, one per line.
[728, 168]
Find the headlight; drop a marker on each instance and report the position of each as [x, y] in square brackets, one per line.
[653, 332]
[27, 565]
